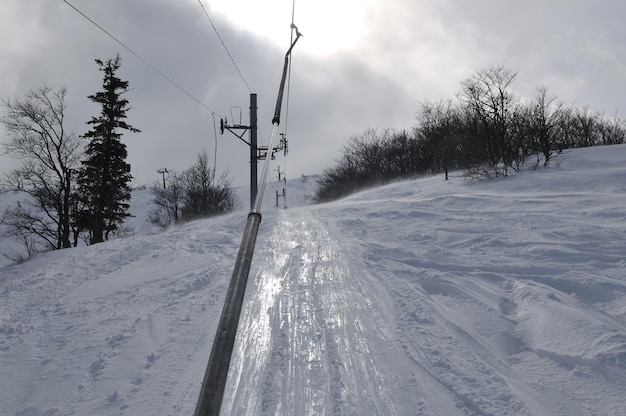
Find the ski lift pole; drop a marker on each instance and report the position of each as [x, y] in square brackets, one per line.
[214, 383]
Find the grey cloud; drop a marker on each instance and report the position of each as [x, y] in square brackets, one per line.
[410, 51]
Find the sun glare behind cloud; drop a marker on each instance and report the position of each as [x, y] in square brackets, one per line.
[328, 26]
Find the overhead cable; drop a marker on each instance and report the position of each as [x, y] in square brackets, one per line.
[141, 59]
[224, 45]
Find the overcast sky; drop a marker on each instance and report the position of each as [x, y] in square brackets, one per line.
[361, 64]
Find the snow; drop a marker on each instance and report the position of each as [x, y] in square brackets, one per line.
[423, 297]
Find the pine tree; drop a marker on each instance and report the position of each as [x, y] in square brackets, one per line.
[104, 180]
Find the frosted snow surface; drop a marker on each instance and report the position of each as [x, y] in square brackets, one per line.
[424, 297]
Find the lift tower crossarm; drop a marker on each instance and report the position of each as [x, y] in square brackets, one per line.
[252, 144]
[224, 126]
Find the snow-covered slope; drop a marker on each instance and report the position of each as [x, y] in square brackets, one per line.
[424, 297]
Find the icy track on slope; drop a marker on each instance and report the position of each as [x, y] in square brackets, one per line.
[312, 338]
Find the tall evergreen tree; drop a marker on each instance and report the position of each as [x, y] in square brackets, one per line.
[104, 180]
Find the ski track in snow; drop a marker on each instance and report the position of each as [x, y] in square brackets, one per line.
[312, 337]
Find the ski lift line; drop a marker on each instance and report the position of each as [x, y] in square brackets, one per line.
[224, 45]
[275, 121]
[214, 382]
[264, 173]
[171, 81]
[281, 90]
[287, 98]
[293, 28]
[286, 124]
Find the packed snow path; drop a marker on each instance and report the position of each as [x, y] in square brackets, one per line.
[312, 338]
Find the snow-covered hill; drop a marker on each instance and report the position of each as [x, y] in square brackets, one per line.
[424, 297]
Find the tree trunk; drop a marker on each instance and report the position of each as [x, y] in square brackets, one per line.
[65, 222]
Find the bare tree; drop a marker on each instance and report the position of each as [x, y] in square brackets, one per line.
[167, 201]
[203, 196]
[611, 131]
[487, 95]
[192, 194]
[545, 116]
[30, 231]
[439, 124]
[49, 155]
[586, 127]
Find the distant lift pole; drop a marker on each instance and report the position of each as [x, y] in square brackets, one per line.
[163, 171]
[213, 385]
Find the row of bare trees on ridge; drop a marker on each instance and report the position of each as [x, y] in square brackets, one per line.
[487, 131]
